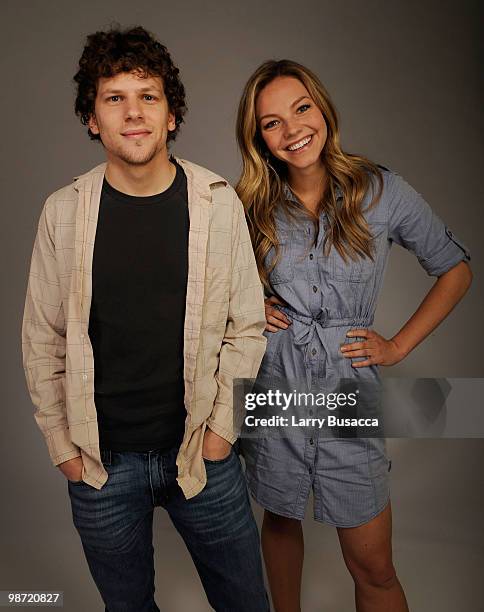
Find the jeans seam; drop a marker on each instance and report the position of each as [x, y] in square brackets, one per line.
[162, 472]
[149, 476]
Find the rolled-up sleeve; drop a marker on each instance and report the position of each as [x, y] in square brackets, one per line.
[415, 226]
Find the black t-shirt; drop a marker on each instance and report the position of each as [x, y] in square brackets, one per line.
[139, 280]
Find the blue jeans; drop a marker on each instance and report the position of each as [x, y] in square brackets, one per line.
[115, 524]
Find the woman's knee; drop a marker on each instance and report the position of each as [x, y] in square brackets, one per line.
[278, 523]
[376, 573]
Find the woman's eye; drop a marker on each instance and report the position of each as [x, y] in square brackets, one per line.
[149, 97]
[303, 108]
[113, 98]
[270, 124]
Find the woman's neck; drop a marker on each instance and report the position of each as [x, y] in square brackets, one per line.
[308, 184]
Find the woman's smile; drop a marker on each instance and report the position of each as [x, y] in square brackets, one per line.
[300, 146]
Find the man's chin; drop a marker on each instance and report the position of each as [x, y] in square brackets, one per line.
[136, 158]
[137, 161]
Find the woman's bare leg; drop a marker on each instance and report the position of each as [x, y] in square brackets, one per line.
[283, 548]
[367, 551]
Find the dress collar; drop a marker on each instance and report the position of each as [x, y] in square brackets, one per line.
[291, 196]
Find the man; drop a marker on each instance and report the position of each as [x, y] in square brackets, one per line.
[143, 305]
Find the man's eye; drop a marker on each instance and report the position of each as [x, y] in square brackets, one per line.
[303, 108]
[270, 124]
[149, 97]
[114, 98]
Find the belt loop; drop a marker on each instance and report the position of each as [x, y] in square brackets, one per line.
[106, 456]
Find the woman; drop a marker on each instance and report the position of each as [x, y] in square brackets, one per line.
[322, 223]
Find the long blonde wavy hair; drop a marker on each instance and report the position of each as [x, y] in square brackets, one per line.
[261, 185]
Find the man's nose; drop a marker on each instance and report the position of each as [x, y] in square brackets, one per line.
[134, 109]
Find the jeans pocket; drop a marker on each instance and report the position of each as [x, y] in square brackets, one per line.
[75, 483]
[219, 461]
[78, 482]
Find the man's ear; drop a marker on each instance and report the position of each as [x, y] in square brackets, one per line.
[171, 121]
[92, 123]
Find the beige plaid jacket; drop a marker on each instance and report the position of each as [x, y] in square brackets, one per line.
[223, 323]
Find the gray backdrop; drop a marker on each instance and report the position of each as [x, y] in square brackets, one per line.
[405, 78]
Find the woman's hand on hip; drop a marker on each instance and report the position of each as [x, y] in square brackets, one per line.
[275, 318]
[376, 349]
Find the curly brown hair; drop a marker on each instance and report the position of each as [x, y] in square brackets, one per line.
[134, 49]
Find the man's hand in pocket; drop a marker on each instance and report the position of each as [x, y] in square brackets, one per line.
[214, 446]
[72, 469]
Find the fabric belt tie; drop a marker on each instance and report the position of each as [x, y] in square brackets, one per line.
[304, 327]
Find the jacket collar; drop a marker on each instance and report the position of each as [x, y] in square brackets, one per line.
[201, 178]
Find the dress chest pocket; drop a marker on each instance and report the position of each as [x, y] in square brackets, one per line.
[362, 269]
[283, 271]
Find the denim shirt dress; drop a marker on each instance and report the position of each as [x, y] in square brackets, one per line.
[325, 297]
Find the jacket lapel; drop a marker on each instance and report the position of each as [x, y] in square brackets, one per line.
[89, 187]
[199, 208]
